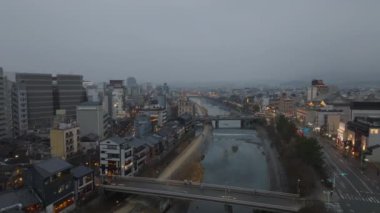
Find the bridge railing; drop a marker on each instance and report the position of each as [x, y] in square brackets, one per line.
[184, 195]
[257, 192]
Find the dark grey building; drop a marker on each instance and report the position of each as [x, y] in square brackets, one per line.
[39, 92]
[68, 93]
[53, 182]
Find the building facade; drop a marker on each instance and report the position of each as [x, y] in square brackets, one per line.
[363, 135]
[122, 157]
[52, 181]
[185, 106]
[64, 140]
[92, 119]
[3, 112]
[70, 93]
[39, 92]
[19, 110]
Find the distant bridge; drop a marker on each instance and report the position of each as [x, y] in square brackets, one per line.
[228, 195]
[246, 121]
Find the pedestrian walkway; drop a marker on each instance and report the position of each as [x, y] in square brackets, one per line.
[356, 197]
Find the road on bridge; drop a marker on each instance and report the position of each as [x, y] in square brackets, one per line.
[258, 199]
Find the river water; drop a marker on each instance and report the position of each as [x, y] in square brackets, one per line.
[234, 157]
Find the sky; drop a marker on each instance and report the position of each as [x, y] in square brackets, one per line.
[193, 40]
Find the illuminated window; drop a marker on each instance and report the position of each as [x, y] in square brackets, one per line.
[374, 131]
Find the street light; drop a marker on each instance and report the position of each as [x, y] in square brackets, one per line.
[298, 186]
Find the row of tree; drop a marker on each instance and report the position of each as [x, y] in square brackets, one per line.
[302, 157]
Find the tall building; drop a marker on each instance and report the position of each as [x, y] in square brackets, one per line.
[3, 124]
[317, 88]
[92, 119]
[70, 93]
[39, 92]
[115, 101]
[64, 140]
[133, 88]
[19, 110]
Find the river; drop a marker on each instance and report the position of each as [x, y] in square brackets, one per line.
[233, 157]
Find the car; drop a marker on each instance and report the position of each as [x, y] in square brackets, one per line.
[328, 183]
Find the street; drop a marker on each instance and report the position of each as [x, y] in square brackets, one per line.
[355, 190]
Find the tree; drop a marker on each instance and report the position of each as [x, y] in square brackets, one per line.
[309, 150]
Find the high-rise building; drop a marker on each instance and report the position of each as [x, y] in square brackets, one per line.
[3, 124]
[19, 110]
[133, 88]
[116, 99]
[69, 93]
[39, 92]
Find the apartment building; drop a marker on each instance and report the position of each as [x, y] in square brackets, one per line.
[93, 119]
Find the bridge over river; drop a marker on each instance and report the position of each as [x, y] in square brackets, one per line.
[228, 195]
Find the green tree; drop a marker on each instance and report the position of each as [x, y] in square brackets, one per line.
[309, 151]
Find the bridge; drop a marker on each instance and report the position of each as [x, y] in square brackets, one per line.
[228, 195]
[246, 121]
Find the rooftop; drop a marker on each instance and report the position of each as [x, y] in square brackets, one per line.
[51, 166]
[117, 140]
[81, 171]
[90, 103]
[22, 196]
[365, 105]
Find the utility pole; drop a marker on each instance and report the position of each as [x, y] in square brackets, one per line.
[298, 186]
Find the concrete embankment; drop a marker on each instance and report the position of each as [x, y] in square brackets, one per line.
[188, 158]
[276, 171]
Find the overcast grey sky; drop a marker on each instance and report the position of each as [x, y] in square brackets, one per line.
[190, 40]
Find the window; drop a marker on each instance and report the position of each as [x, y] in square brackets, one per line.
[110, 155]
[374, 131]
[111, 147]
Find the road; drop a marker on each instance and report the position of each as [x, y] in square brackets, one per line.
[355, 191]
[209, 192]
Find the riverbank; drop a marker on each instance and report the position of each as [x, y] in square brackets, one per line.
[186, 165]
[276, 172]
[192, 153]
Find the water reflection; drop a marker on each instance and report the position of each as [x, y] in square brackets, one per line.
[234, 157]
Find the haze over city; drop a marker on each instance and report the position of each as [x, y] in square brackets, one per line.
[193, 41]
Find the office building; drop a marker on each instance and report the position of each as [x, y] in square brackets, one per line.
[68, 93]
[3, 124]
[93, 119]
[19, 110]
[39, 92]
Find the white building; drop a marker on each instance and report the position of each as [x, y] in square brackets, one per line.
[118, 97]
[122, 157]
[3, 124]
[19, 110]
[157, 114]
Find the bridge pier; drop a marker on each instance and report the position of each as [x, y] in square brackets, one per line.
[228, 208]
[216, 124]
